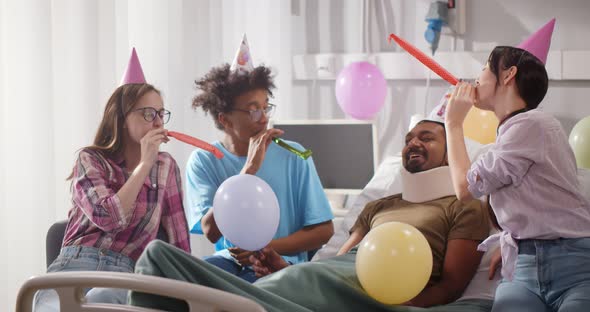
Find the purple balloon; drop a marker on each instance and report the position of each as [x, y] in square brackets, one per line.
[246, 211]
[360, 90]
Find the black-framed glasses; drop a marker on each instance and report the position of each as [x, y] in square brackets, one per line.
[256, 114]
[150, 113]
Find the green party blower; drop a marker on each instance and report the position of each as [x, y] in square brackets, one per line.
[303, 154]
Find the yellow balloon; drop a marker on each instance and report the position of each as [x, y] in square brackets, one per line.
[393, 262]
[580, 142]
[480, 125]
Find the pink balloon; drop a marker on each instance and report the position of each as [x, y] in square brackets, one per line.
[360, 90]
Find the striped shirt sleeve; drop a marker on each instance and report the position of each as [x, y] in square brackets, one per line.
[92, 194]
[173, 216]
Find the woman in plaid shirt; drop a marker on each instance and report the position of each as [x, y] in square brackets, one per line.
[125, 193]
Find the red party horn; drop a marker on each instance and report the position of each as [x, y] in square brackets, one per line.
[196, 142]
[425, 59]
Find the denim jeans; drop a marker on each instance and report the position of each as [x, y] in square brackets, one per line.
[550, 275]
[79, 258]
[245, 273]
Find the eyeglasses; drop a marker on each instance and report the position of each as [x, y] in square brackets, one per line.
[150, 113]
[256, 114]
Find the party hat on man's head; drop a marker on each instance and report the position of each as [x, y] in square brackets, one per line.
[538, 43]
[242, 61]
[437, 114]
[133, 72]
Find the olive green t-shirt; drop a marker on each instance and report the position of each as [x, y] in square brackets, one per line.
[439, 220]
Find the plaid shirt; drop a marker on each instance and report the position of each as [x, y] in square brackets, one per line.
[98, 220]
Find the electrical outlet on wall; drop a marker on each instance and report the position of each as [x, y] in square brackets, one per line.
[457, 18]
[325, 66]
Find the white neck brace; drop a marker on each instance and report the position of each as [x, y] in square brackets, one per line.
[427, 185]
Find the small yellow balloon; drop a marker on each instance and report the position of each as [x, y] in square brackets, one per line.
[480, 125]
[580, 142]
[393, 262]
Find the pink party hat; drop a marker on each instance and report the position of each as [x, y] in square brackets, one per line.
[242, 61]
[538, 43]
[133, 73]
[438, 112]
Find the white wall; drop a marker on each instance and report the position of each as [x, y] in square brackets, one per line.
[60, 61]
[334, 27]
[26, 97]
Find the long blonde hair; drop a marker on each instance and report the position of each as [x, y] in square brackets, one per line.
[108, 140]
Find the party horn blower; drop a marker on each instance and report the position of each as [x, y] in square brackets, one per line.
[303, 154]
[425, 59]
[196, 142]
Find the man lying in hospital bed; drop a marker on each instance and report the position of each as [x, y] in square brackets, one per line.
[388, 181]
[453, 230]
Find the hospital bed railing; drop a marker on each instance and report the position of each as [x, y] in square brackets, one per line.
[70, 288]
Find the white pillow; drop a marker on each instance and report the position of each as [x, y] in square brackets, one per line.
[480, 286]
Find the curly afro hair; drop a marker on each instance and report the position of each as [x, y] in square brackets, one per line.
[220, 87]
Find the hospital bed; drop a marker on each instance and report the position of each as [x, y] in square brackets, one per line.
[70, 285]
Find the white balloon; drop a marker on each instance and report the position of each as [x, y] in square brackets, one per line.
[246, 211]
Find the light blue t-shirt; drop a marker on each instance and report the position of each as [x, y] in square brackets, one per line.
[302, 200]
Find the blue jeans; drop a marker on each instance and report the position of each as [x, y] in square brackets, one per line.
[79, 258]
[550, 275]
[245, 273]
